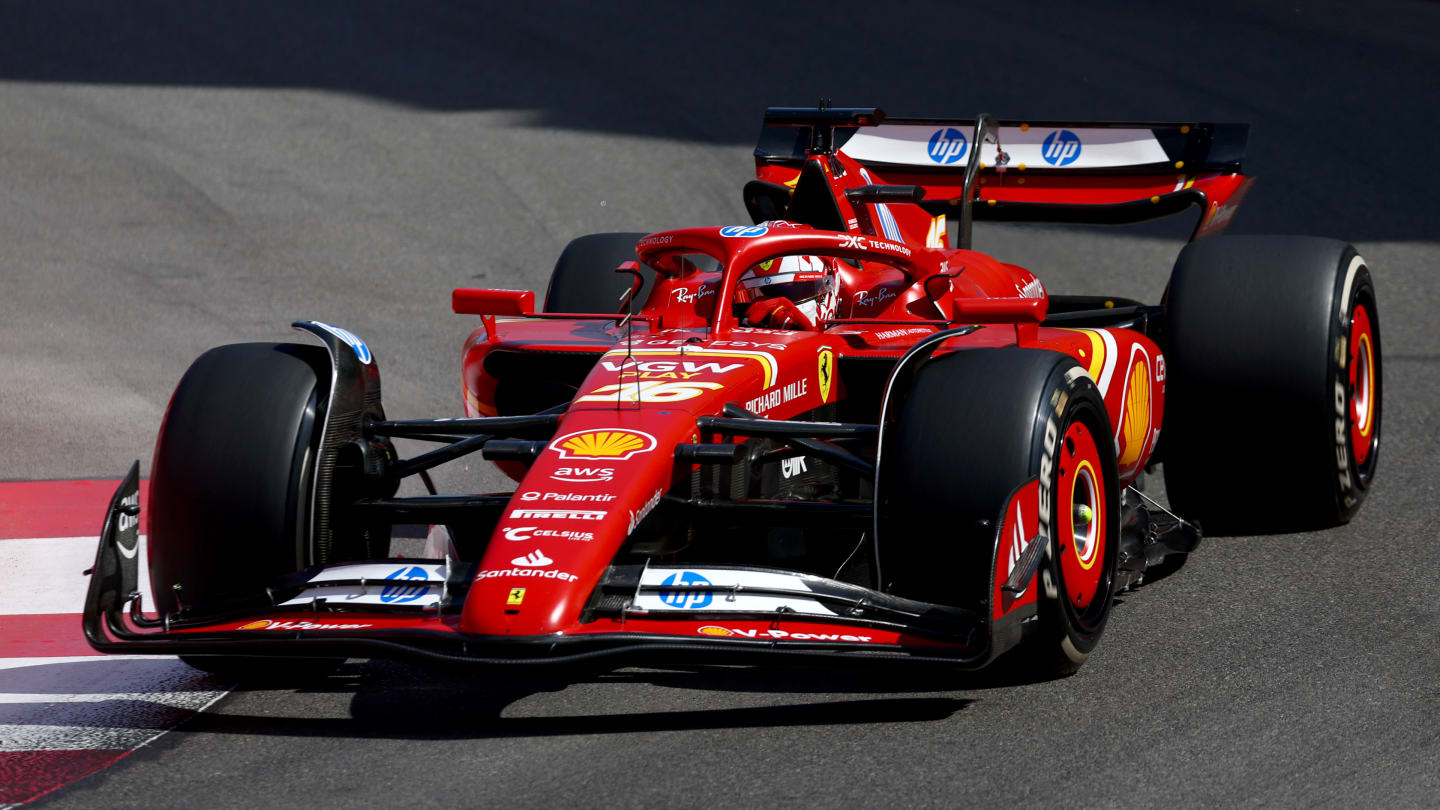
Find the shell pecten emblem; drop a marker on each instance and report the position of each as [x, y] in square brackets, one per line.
[1135, 423]
[615, 444]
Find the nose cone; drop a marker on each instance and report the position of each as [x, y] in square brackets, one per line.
[613, 459]
[604, 471]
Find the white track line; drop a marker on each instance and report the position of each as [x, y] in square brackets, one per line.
[43, 575]
[83, 703]
[92, 702]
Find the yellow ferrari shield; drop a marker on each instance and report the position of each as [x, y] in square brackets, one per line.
[827, 373]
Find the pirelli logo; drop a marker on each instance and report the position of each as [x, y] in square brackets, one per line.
[558, 514]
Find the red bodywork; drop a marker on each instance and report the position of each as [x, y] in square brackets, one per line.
[685, 353]
[683, 357]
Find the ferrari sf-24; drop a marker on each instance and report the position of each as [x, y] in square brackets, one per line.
[837, 433]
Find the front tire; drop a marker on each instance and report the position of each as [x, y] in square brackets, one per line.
[233, 478]
[1273, 412]
[975, 427]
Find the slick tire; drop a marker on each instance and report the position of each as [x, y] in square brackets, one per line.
[972, 430]
[1273, 407]
[585, 281]
[230, 485]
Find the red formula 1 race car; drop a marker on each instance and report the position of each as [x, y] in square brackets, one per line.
[838, 433]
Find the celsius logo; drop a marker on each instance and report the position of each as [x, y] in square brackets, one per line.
[523, 533]
[744, 230]
[947, 145]
[1061, 148]
[686, 599]
[405, 593]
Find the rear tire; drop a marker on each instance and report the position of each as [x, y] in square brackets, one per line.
[972, 430]
[1273, 354]
[585, 281]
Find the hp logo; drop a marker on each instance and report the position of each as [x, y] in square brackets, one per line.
[394, 594]
[686, 599]
[744, 230]
[1061, 148]
[947, 145]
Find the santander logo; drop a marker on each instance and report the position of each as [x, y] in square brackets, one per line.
[535, 559]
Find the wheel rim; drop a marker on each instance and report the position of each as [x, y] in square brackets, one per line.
[1363, 390]
[1080, 511]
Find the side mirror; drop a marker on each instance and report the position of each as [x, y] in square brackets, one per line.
[1001, 310]
[467, 301]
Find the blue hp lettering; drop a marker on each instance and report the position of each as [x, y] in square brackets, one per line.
[405, 593]
[686, 599]
[744, 230]
[947, 145]
[1061, 148]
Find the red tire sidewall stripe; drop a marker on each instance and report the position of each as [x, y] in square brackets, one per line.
[1362, 353]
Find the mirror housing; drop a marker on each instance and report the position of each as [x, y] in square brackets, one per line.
[468, 301]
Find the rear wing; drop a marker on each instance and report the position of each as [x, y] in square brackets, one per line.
[1040, 171]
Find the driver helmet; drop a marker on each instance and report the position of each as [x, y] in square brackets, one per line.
[811, 283]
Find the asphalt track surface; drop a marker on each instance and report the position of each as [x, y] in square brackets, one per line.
[179, 175]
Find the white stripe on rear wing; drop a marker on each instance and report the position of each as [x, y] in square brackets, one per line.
[941, 145]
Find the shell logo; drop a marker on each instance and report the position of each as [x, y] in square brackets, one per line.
[617, 444]
[260, 625]
[1135, 424]
[712, 630]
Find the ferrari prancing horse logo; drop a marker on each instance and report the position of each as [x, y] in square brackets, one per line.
[827, 373]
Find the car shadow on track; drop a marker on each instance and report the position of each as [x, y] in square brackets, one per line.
[394, 700]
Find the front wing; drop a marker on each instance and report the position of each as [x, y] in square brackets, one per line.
[411, 609]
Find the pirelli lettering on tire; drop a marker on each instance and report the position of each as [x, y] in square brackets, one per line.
[1342, 454]
[1342, 399]
[1058, 401]
[1047, 460]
